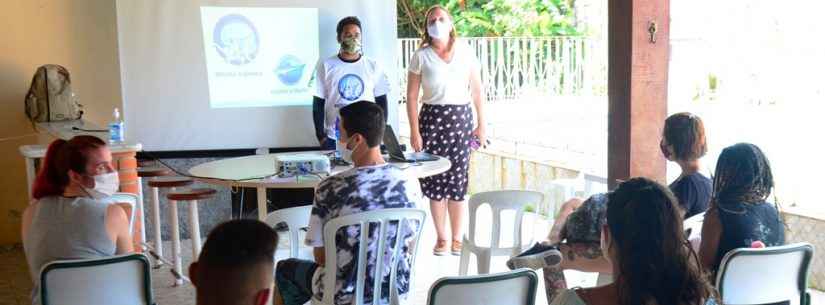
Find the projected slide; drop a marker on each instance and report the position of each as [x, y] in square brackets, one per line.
[259, 57]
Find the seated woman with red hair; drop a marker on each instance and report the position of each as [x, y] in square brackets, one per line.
[70, 218]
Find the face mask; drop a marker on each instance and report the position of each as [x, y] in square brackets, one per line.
[664, 149]
[105, 185]
[346, 152]
[351, 45]
[440, 30]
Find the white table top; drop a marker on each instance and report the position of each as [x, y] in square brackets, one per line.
[38, 151]
[64, 130]
[239, 172]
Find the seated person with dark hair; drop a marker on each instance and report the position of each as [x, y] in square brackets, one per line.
[372, 184]
[235, 265]
[740, 214]
[643, 240]
[573, 242]
[684, 143]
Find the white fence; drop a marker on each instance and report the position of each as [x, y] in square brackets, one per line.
[530, 67]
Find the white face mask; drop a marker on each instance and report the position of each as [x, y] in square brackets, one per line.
[440, 30]
[346, 152]
[105, 185]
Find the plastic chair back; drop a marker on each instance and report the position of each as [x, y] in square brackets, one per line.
[123, 280]
[766, 275]
[517, 287]
[382, 219]
[499, 202]
[296, 219]
[558, 192]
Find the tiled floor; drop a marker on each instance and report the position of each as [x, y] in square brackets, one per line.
[15, 282]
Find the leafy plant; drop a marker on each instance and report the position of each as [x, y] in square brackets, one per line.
[712, 82]
[494, 18]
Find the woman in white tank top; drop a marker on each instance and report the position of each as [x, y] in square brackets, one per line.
[68, 219]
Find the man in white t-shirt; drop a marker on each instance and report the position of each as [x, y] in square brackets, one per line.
[343, 79]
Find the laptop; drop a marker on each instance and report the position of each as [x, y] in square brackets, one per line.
[397, 155]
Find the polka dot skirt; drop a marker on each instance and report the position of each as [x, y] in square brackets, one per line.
[446, 131]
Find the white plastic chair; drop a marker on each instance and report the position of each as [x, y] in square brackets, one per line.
[766, 275]
[517, 287]
[296, 219]
[499, 201]
[381, 218]
[131, 200]
[693, 225]
[594, 184]
[558, 192]
[124, 280]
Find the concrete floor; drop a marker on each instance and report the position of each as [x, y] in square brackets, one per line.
[15, 282]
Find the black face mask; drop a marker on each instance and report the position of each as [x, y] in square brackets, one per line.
[664, 149]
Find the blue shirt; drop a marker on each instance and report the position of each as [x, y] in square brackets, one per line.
[745, 223]
[693, 192]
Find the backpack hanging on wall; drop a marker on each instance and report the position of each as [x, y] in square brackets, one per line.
[50, 97]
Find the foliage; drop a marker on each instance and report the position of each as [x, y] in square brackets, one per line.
[712, 82]
[478, 18]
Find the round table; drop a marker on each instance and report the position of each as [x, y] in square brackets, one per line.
[248, 172]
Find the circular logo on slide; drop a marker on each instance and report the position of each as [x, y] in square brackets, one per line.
[290, 69]
[350, 87]
[236, 39]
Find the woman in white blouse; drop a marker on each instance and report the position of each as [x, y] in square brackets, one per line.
[447, 74]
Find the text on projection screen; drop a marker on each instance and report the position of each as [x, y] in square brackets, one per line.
[260, 57]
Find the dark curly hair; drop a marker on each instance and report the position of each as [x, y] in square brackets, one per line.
[743, 174]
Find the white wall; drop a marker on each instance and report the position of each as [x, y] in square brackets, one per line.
[164, 75]
[78, 34]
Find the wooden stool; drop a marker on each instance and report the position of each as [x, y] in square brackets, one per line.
[148, 172]
[192, 196]
[147, 163]
[170, 182]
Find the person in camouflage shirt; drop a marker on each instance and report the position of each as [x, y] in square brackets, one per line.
[372, 184]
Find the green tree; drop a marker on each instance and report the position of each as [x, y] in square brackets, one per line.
[474, 18]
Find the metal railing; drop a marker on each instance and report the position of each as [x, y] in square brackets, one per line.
[530, 67]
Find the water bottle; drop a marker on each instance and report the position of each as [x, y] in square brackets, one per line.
[116, 128]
